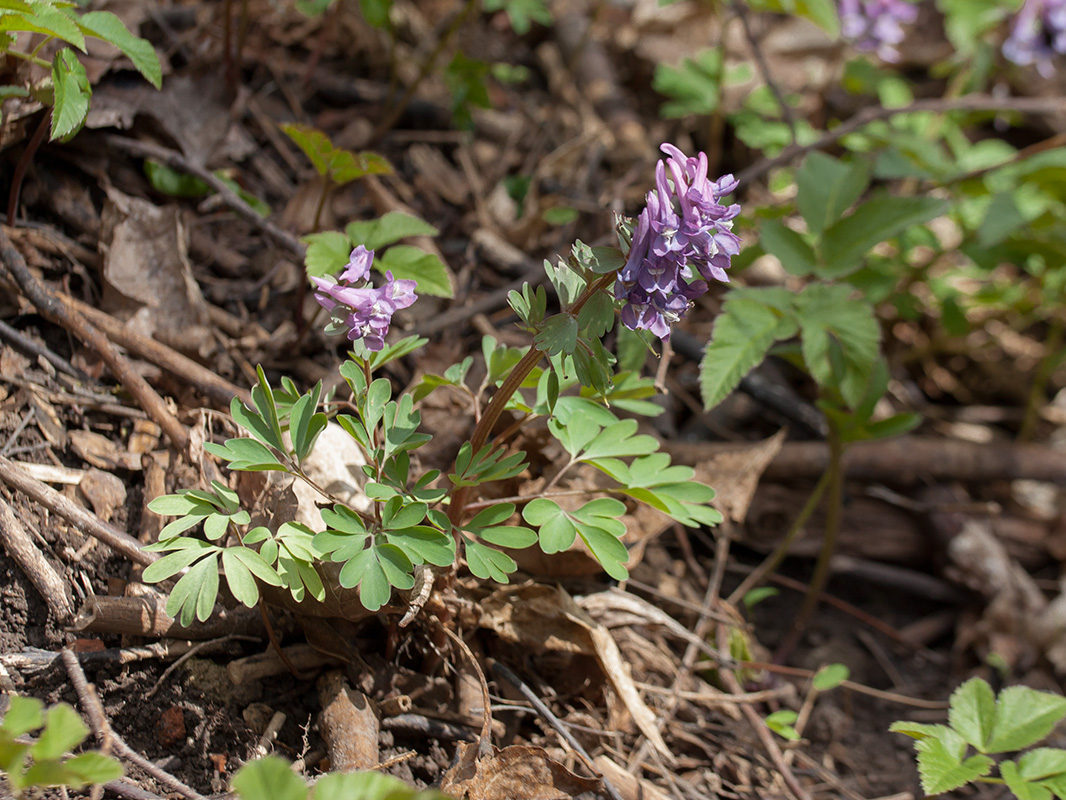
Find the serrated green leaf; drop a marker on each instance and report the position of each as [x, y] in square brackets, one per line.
[46, 18]
[743, 334]
[413, 263]
[941, 766]
[972, 711]
[840, 337]
[105, 25]
[1024, 716]
[72, 93]
[1042, 762]
[392, 227]
[327, 253]
[1021, 787]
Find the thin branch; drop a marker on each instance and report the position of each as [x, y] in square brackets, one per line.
[90, 703]
[973, 102]
[741, 10]
[176, 160]
[56, 311]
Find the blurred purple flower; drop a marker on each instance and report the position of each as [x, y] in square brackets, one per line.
[1037, 34]
[364, 310]
[876, 25]
[683, 238]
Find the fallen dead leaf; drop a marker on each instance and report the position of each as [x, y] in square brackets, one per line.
[513, 773]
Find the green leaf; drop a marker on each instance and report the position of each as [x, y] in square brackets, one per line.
[172, 182]
[693, 88]
[193, 596]
[376, 12]
[781, 722]
[105, 25]
[407, 262]
[743, 334]
[327, 253]
[24, 714]
[1021, 787]
[840, 337]
[826, 188]
[46, 18]
[830, 676]
[63, 731]
[92, 767]
[941, 766]
[790, 248]
[846, 242]
[522, 13]
[487, 563]
[171, 564]
[271, 777]
[424, 545]
[972, 711]
[1024, 716]
[341, 166]
[394, 226]
[1042, 762]
[620, 439]
[72, 93]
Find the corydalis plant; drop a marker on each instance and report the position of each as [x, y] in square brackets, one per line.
[683, 226]
[422, 519]
[876, 25]
[364, 311]
[1037, 34]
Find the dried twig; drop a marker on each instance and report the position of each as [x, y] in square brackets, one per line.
[542, 709]
[176, 160]
[109, 739]
[45, 579]
[84, 520]
[61, 314]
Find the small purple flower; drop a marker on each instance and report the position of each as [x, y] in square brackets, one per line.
[876, 25]
[682, 239]
[364, 310]
[1037, 34]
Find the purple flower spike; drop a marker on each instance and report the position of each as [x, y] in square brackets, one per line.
[1037, 34]
[682, 239]
[364, 310]
[876, 25]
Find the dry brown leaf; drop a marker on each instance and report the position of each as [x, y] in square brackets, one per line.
[101, 452]
[541, 616]
[513, 773]
[148, 281]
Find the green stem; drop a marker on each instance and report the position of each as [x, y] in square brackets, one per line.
[835, 472]
[510, 385]
[40, 62]
[1053, 355]
[773, 561]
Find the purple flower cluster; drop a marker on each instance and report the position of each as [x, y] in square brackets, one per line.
[683, 227]
[365, 311]
[876, 25]
[1038, 33]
